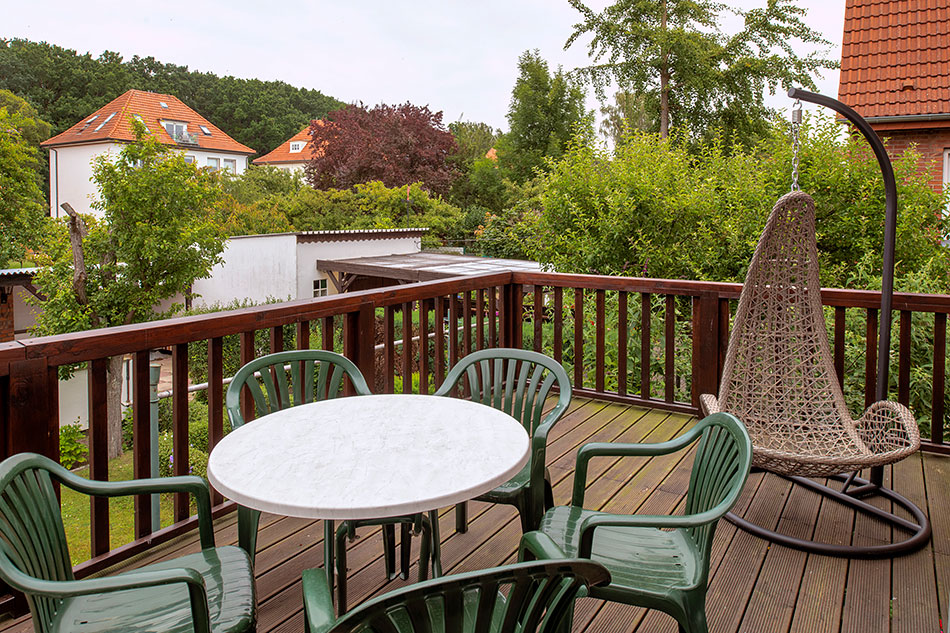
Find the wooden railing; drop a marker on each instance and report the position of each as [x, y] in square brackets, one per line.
[648, 342]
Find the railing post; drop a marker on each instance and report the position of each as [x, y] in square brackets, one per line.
[33, 419]
[705, 345]
[359, 340]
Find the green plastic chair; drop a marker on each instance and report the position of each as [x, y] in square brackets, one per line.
[521, 598]
[313, 375]
[212, 591]
[517, 382]
[657, 562]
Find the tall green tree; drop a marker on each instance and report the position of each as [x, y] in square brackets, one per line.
[156, 237]
[545, 112]
[479, 184]
[629, 112]
[21, 196]
[695, 76]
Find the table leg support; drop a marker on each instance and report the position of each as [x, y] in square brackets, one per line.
[389, 551]
[328, 536]
[436, 544]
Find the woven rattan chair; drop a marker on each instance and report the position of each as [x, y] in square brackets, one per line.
[779, 379]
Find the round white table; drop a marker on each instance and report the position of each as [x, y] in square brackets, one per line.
[367, 457]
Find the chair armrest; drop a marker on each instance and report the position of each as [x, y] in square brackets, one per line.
[317, 601]
[610, 449]
[197, 593]
[540, 545]
[196, 486]
[589, 524]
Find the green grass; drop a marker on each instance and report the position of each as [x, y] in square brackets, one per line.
[75, 508]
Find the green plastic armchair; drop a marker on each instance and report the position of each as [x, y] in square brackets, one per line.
[517, 382]
[212, 591]
[657, 562]
[286, 379]
[521, 598]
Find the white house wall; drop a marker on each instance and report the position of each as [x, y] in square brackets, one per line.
[70, 173]
[309, 252]
[255, 268]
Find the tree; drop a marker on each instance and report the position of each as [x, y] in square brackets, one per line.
[693, 75]
[628, 113]
[21, 198]
[544, 113]
[479, 184]
[155, 239]
[396, 145]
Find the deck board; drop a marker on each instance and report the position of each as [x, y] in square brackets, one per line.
[753, 587]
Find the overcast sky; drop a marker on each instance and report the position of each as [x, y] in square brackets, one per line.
[458, 56]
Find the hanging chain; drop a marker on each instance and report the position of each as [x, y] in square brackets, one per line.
[796, 125]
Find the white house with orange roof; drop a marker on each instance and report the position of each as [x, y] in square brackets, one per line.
[291, 155]
[110, 127]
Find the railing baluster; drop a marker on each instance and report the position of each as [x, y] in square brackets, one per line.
[870, 355]
[600, 353]
[622, 343]
[276, 339]
[903, 363]
[389, 349]
[141, 440]
[99, 453]
[669, 382]
[303, 334]
[424, 346]
[646, 353]
[466, 324]
[182, 509]
[327, 333]
[480, 321]
[216, 399]
[492, 317]
[247, 355]
[407, 347]
[538, 317]
[939, 377]
[579, 338]
[453, 330]
[840, 327]
[439, 347]
[558, 323]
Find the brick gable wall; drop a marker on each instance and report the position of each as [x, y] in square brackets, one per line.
[6, 316]
[930, 143]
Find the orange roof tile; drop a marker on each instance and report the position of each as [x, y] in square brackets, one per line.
[282, 153]
[895, 58]
[112, 122]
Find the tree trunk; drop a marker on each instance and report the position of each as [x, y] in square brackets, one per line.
[114, 397]
[664, 81]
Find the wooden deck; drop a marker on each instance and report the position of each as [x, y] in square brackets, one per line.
[754, 587]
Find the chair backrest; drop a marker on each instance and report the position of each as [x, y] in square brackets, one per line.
[286, 379]
[32, 537]
[720, 470]
[537, 596]
[515, 381]
[779, 376]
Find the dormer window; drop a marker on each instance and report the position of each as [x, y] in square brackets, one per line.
[297, 146]
[178, 130]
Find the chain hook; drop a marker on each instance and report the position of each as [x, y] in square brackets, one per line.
[796, 144]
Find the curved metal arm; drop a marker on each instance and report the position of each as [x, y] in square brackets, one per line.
[890, 225]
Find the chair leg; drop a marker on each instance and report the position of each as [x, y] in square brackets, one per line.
[436, 544]
[341, 534]
[389, 550]
[328, 561]
[247, 530]
[696, 622]
[461, 517]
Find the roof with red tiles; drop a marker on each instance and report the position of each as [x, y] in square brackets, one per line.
[113, 122]
[282, 153]
[895, 58]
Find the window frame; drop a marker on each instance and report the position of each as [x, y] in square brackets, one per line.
[320, 287]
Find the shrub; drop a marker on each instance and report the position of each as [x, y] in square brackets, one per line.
[72, 447]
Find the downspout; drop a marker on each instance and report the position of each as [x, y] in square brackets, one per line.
[55, 152]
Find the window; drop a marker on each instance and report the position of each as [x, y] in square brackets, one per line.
[296, 146]
[175, 129]
[320, 288]
[140, 120]
[163, 104]
[946, 168]
[230, 164]
[214, 163]
[109, 118]
[204, 130]
[189, 159]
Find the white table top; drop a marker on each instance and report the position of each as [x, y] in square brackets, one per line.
[368, 456]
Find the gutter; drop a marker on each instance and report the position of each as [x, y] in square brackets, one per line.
[907, 118]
